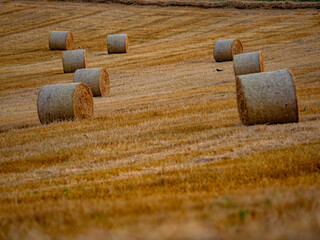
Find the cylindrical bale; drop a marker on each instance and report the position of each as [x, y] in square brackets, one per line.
[64, 102]
[268, 97]
[247, 63]
[73, 60]
[60, 40]
[117, 43]
[96, 78]
[224, 50]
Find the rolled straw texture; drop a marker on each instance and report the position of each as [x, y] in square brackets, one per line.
[73, 60]
[268, 97]
[224, 50]
[247, 63]
[64, 102]
[96, 78]
[117, 43]
[60, 40]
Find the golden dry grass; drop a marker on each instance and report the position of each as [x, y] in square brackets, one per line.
[165, 156]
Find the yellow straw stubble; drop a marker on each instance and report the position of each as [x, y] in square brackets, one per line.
[247, 63]
[60, 40]
[64, 102]
[268, 97]
[224, 50]
[96, 78]
[117, 43]
[73, 60]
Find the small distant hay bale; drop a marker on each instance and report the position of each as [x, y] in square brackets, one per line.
[117, 43]
[60, 40]
[73, 60]
[268, 97]
[224, 50]
[64, 102]
[247, 63]
[96, 78]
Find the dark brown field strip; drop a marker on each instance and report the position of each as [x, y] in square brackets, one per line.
[212, 4]
[50, 23]
[16, 10]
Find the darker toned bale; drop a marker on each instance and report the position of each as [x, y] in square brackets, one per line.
[96, 78]
[224, 50]
[267, 98]
[64, 102]
[117, 43]
[60, 40]
[73, 60]
[247, 63]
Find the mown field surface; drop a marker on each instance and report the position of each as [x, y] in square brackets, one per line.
[165, 155]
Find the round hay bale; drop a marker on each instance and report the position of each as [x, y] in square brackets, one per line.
[60, 40]
[64, 102]
[248, 63]
[268, 97]
[224, 50]
[96, 78]
[73, 60]
[117, 43]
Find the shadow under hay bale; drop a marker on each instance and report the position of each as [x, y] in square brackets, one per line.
[247, 63]
[73, 60]
[64, 102]
[96, 78]
[224, 50]
[60, 40]
[268, 97]
[117, 43]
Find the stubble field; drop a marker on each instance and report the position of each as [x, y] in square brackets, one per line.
[165, 155]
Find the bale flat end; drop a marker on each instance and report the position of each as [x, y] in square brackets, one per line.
[82, 102]
[242, 103]
[104, 83]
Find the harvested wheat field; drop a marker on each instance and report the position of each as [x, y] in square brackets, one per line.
[165, 155]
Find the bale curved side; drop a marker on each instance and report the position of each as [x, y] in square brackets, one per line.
[247, 63]
[96, 78]
[73, 60]
[117, 43]
[224, 50]
[60, 40]
[61, 102]
[267, 98]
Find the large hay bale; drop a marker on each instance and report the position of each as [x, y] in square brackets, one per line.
[96, 78]
[224, 50]
[60, 40]
[64, 102]
[117, 43]
[248, 63]
[73, 60]
[268, 97]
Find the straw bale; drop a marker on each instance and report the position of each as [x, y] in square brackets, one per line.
[224, 50]
[117, 43]
[268, 97]
[64, 102]
[73, 60]
[96, 78]
[247, 63]
[60, 40]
